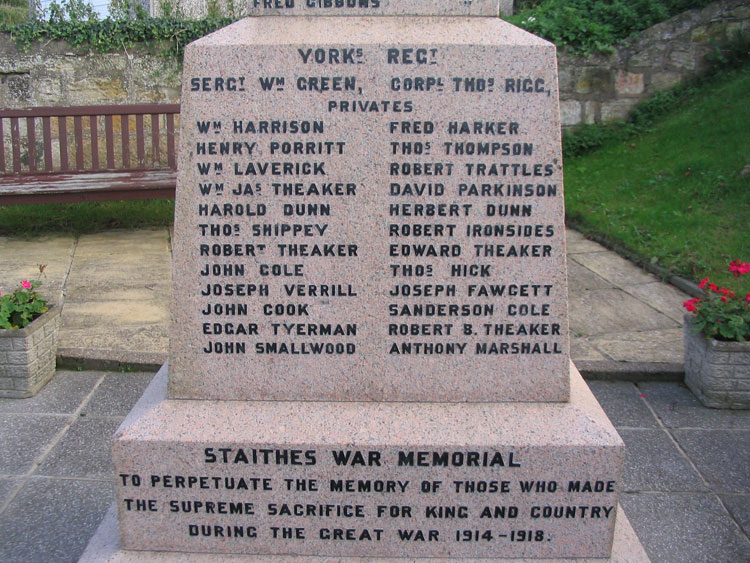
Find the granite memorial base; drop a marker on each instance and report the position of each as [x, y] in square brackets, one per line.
[105, 548]
[500, 480]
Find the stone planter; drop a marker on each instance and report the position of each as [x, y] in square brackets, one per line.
[717, 372]
[27, 356]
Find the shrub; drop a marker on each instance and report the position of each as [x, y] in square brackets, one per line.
[588, 26]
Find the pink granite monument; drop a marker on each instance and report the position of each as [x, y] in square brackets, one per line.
[369, 345]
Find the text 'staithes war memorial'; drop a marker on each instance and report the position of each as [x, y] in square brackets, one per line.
[369, 344]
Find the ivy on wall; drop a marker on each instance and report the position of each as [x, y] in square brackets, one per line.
[166, 37]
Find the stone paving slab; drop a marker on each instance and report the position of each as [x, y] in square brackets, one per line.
[62, 395]
[739, 508]
[85, 451]
[654, 463]
[687, 527]
[677, 407]
[662, 297]
[583, 246]
[581, 349]
[658, 346]
[51, 520]
[123, 342]
[117, 394]
[614, 268]
[624, 404]
[6, 486]
[715, 453]
[581, 278]
[601, 312]
[117, 295]
[24, 437]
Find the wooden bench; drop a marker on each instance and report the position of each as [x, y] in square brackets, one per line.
[87, 153]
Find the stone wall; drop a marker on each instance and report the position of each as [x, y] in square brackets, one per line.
[57, 74]
[601, 88]
[593, 89]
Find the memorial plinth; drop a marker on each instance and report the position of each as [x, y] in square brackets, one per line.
[448, 230]
[369, 342]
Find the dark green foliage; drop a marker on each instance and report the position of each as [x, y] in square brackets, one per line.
[168, 37]
[19, 308]
[13, 11]
[80, 218]
[589, 26]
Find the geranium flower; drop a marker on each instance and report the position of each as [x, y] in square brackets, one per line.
[690, 304]
[25, 284]
[739, 268]
[720, 313]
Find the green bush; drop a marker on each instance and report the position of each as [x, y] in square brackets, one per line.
[589, 26]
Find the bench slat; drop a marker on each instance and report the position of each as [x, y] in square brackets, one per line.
[15, 141]
[125, 134]
[170, 141]
[2, 147]
[94, 142]
[70, 111]
[62, 125]
[47, 138]
[109, 135]
[139, 142]
[93, 186]
[31, 134]
[155, 138]
[78, 127]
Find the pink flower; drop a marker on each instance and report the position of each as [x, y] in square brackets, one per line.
[739, 268]
[690, 304]
[25, 284]
[748, 297]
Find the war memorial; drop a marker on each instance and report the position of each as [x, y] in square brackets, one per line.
[369, 350]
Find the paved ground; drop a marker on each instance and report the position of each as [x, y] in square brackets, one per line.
[687, 478]
[117, 285]
[687, 481]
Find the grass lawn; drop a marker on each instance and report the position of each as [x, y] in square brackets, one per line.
[675, 194]
[79, 218]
